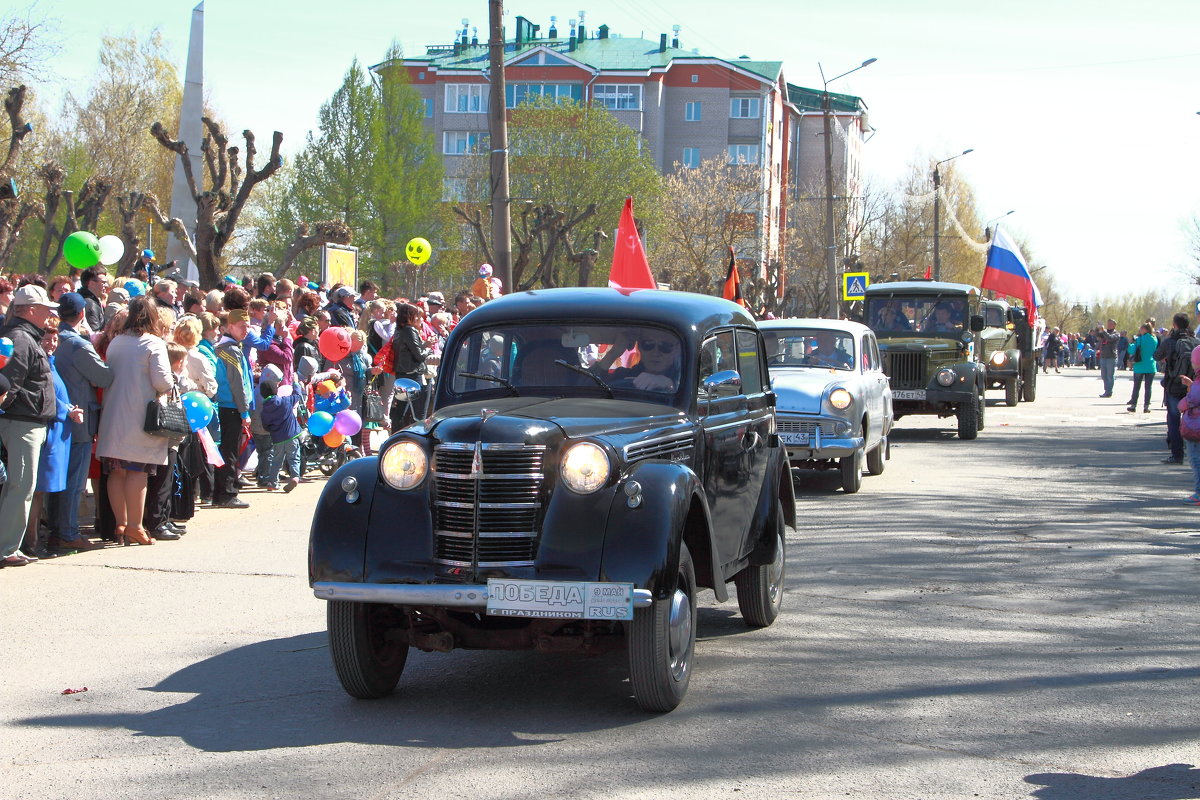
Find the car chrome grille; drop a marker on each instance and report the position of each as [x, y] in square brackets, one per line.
[668, 448]
[486, 504]
[906, 370]
[785, 424]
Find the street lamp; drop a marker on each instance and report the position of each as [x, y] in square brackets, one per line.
[830, 258]
[937, 210]
[987, 226]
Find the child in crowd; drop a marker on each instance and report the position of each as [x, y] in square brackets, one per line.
[279, 419]
[1189, 426]
[234, 401]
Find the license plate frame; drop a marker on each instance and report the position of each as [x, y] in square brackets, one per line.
[595, 600]
[794, 438]
[908, 394]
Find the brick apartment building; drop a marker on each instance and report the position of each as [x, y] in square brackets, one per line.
[688, 107]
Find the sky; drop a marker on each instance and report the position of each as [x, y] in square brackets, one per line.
[1082, 116]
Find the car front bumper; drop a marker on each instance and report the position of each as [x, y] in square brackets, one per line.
[472, 596]
[827, 437]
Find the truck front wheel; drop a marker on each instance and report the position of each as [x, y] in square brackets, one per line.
[662, 642]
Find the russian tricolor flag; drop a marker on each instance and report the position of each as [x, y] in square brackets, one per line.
[1007, 273]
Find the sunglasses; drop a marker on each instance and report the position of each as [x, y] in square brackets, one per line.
[650, 347]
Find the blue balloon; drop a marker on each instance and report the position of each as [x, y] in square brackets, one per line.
[320, 423]
[198, 409]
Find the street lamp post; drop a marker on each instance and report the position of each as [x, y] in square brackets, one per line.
[937, 213]
[987, 226]
[830, 254]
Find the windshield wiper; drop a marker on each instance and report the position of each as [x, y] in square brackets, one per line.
[584, 371]
[493, 379]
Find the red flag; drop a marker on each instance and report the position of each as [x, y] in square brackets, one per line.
[733, 284]
[929, 273]
[630, 269]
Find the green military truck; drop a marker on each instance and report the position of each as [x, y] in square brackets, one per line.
[927, 335]
[1006, 349]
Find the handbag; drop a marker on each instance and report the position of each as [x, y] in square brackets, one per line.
[373, 410]
[167, 419]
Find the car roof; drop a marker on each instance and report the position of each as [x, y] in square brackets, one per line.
[689, 314]
[921, 287]
[844, 325]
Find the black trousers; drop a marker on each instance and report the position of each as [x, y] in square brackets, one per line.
[225, 479]
[159, 488]
[1138, 379]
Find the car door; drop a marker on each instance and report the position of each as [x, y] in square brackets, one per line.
[760, 416]
[724, 425]
[880, 404]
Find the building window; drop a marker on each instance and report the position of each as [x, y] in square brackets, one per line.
[517, 93]
[695, 79]
[467, 98]
[618, 96]
[454, 190]
[743, 154]
[461, 143]
[420, 76]
[691, 156]
[744, 107]
[428, 108]
[691, 111]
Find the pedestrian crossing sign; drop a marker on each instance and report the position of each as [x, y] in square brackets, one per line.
[854, 285]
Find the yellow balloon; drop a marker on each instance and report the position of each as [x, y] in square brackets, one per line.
[418, 250]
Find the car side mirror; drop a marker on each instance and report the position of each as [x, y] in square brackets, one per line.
[976, 323]
[407, 388]
[726, 377]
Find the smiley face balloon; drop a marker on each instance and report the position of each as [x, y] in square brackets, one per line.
[418, 250]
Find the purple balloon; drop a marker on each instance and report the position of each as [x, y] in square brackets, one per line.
[347, 422]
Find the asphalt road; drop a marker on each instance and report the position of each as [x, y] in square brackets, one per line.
[1010, 617]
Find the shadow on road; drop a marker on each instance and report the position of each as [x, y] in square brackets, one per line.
[1168, 782]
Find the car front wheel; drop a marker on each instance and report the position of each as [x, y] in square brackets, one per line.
[1012, 392]
[662, 641]
[760, 589]
[366, 656]
[877, 458]
[968, 418]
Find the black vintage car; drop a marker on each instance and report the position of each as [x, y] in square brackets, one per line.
[593, 458]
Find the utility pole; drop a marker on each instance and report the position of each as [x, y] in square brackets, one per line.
[498, 133]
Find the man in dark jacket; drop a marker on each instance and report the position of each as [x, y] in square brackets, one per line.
[341, 307]
[93, 287]
[1106, 349]
[1173, 350]
[82, 371]
[29, 406]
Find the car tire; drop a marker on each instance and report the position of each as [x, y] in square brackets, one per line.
[877, 458]
[368, 662]
[760, 589]
[851, 467]
[1012, 392]
[982, 406]
[662, 642]
[1029, 386]
[968, 418]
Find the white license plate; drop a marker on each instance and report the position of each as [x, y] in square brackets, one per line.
[908, 394]
[794, 438]
[559, 599]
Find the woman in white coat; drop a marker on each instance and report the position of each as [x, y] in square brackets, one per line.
[141, 374]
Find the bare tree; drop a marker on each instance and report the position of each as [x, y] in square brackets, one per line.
[14, 212]
[218, 207]
[540, 233]
[25, 46]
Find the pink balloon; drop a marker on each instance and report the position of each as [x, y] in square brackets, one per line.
[334, 343]
[347, 422]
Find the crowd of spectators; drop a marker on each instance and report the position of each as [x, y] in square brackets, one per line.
[90, 350]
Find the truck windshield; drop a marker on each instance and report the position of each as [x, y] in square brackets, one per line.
[899, 315]
[635, 362]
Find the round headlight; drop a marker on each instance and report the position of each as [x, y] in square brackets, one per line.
[945, 377]
[840, 399]
[998, 358]
[404, 464]
[585, 467]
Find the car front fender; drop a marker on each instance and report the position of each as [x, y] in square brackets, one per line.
[641, 543]
[337, 540]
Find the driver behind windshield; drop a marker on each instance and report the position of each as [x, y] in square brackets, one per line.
[889, 317]
[827, 354]
[657, 369]
[943, 320]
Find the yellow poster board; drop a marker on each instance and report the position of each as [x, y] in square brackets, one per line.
[339, 264]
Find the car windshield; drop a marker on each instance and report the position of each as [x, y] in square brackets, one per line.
[637, 362]
[810, 347]
[917, 314]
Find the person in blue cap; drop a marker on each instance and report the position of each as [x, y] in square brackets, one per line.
[146, 261]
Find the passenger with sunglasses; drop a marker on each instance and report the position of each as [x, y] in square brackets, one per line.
[657, 369]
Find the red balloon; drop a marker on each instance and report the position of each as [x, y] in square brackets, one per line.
[334, 343]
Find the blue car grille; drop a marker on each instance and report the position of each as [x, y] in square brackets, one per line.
[487, 504]
[789, 424]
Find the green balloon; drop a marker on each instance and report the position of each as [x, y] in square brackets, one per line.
[82, 249]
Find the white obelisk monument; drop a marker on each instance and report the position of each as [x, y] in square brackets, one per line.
[191, 131]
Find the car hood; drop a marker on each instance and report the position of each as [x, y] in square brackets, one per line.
[800, 390]
[539, 420]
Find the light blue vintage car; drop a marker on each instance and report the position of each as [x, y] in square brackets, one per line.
[834, 406]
